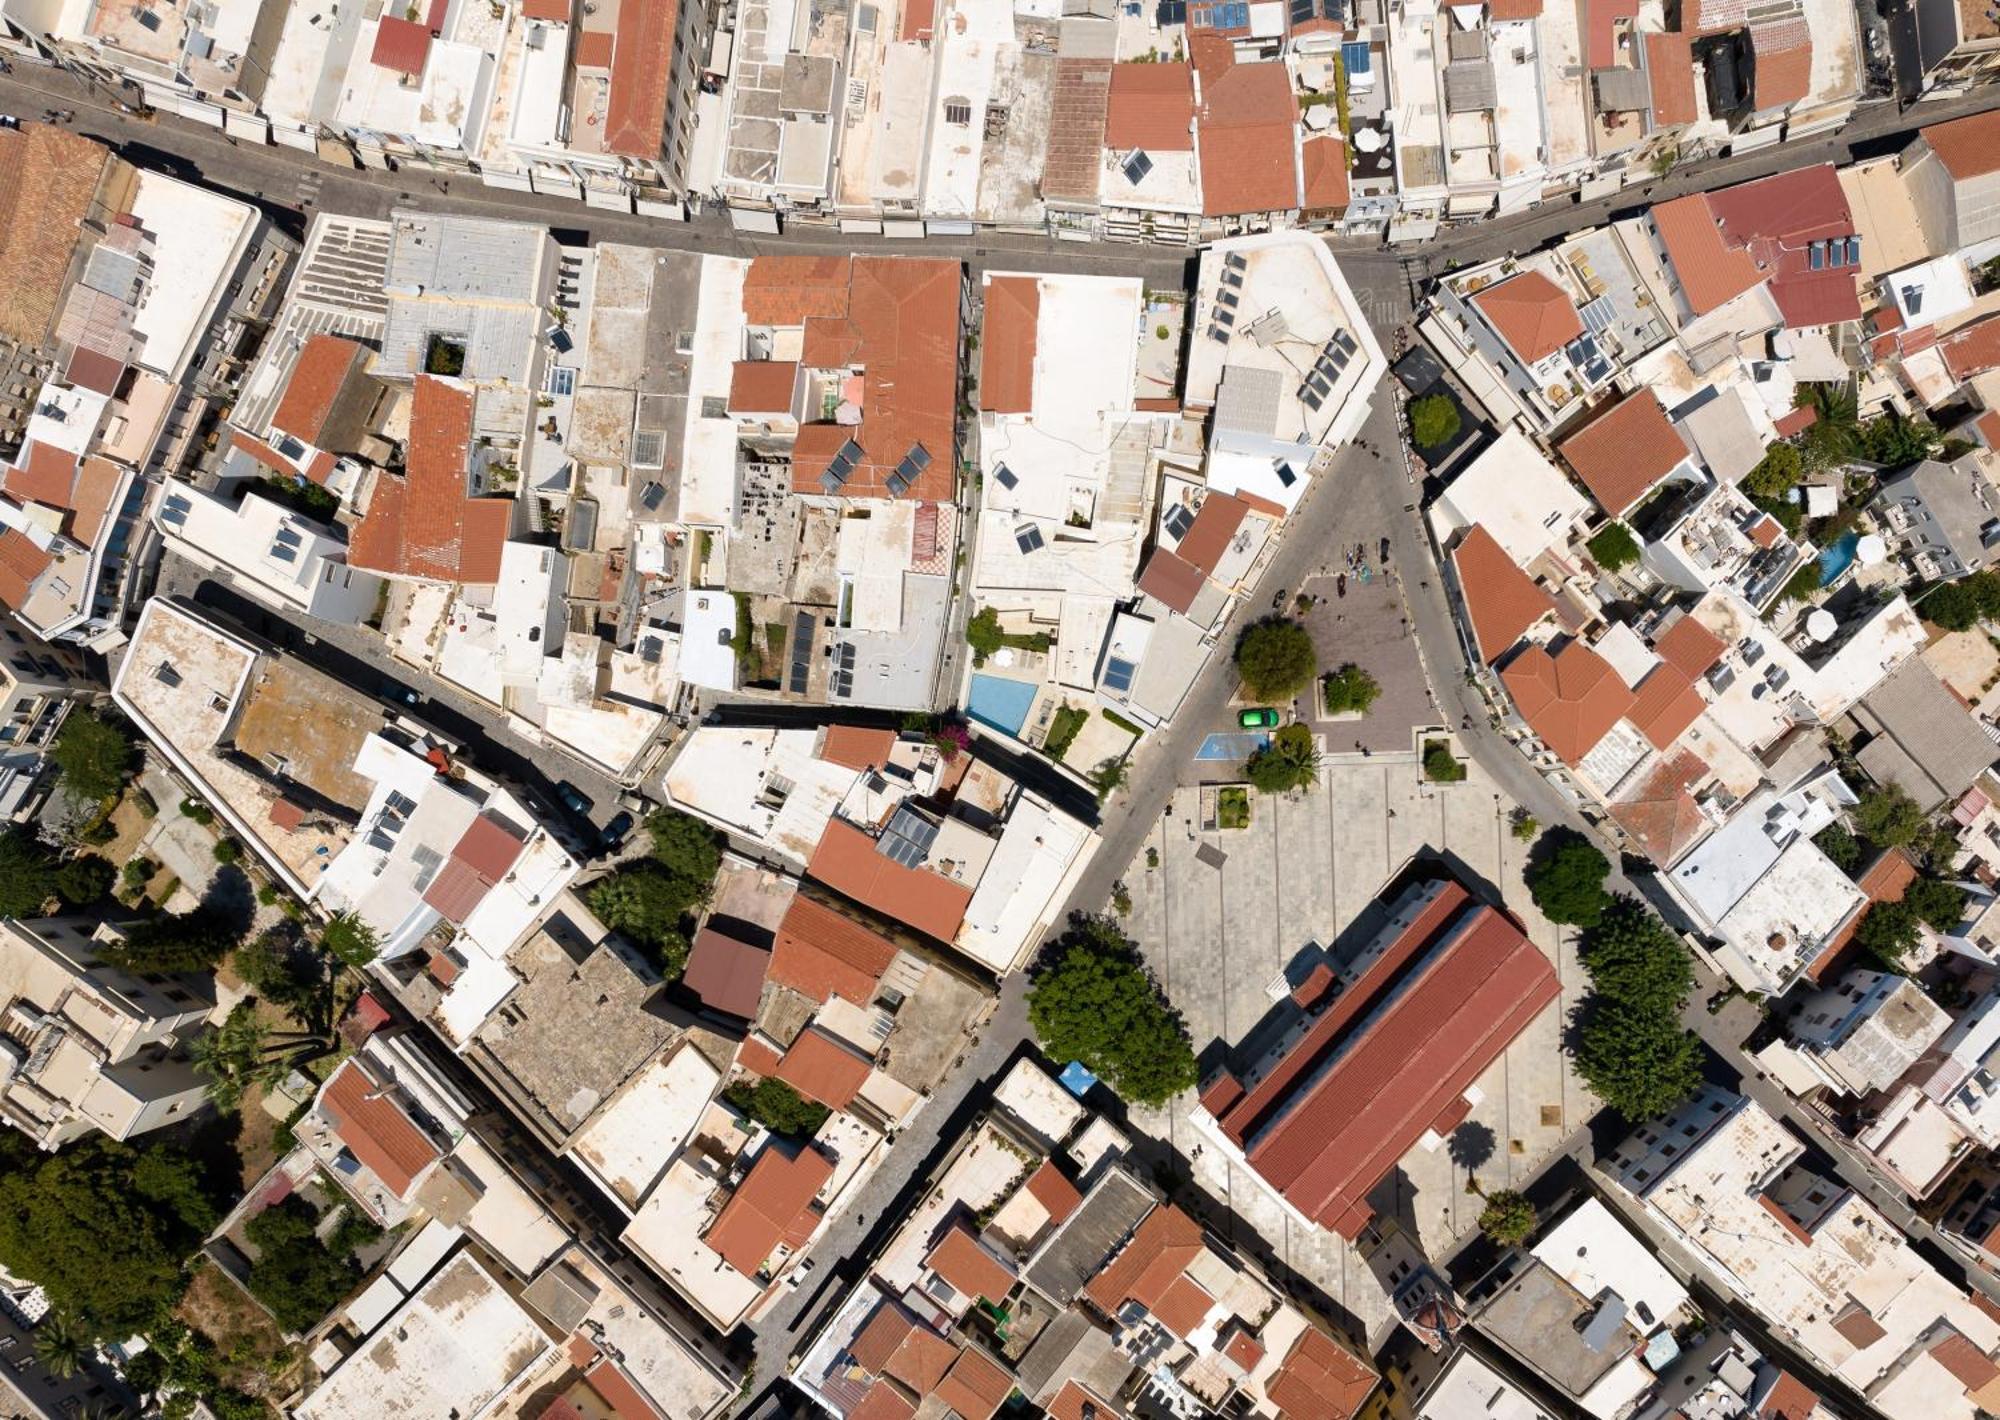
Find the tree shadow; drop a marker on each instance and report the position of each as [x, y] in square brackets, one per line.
[1471, 1146]
[231, 899]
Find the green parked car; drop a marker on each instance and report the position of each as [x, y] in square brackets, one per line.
[1262, 718]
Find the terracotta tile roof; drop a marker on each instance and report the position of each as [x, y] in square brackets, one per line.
[896, 318]
[455, 892]
[1514, 9]
[975, 1386]
[1622, 453]
[1689, 647]
[1077, 116]
[881, 1401]
[762, 386]
[1319, 1380]
[1243, 1348]
[489, 846]
[770, 1206]
[1323, 174]
[1069, 1402]
[1988, 425]
[1501, 600]
[553, 12]
[317, 379]
[1967, 147]
[1171, 579]
[758, 1056]
[1248, 140]
[1533, 315]
[847, 861]
[1159, 1251]
[1885, 880]
[92, 498]
[1571, 699]
[1007, 344]
[1183, 1306]
[920, 1359]
[973, 1272]
[1601, 23]
[1057, 1195]
[375, 1129]
[1665, 704]
[48, 177]
[422, 523]
[822, 953]
[88, 369]
[1790, 1399]
[1972, 349]
[1783, 55]
[856, 747]
[400, 44]
[823, 1068]
[1775, 220]
[1969, 1366]
[1208, 537]
[880, 1336]
[21, 562]
[1151, 107]
[1390, 1055]
[1711, 271]
[44, 474]
[593, 49]
[726, 974]
[1766, 532]
[635, 118]
[1796, 421]
[919, 20]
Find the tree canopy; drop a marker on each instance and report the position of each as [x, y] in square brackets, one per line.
[95, 755]
[234, 1056]
[1630, 1045]
[1275, 658]
[1508, 1218]
[1290, 761]
[1348, 691]
[297, 1276]
[1613, 547]
[349, 940]
[652, 899]
[1888, 817]
[1776, 474]
[103, 1228]
[1094, 1001]
[777, 1106]
[30, 874]
[687, 848]
[174, 944]
[1566, 879]
[1434, 421]
[1842, 848]
[1962, 604]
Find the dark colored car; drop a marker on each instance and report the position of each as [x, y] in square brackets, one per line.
[612, 836]
[573, 799]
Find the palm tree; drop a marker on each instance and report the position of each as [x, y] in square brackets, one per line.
[62, 1345]
[1111, 776]
[1835, 435]
[240, 1053]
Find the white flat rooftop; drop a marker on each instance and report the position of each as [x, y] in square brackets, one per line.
[198, 238]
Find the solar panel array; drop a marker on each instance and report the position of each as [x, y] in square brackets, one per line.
[1220, 15]
[908, 838]
[1028, 537]
[842, 679]
[1005, 477]
[1136, 166]
[803, 627]
[1118, 674]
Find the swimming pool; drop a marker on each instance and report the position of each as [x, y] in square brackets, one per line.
[1837, 558]
[1000, 702]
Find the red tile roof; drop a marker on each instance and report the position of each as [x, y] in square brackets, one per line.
[1319, 1379]
[1155, 1257]
[1183, 1306]
[48, 185]
[1393, 1053]
[975, 1386]
[1514, 9]
[758, 1056]
[1151, 107]
[489, 846]
[317, 378]
[1988, 426]
[1660, 811]
[1622, 453]
[1171, 579]
[402, 45]
[726, 974]
[375, 1129]
[856, 747]
[762, 386]
[962, 1260]
[1711, 272]
[93, 370]
[44, 474]
[635, 118]
[897, 319]
[1069, 1403]
[1689, 647]
[1209, 535]
[892, 1343]
[1796, 421]
[1601, 22]
[1057, 1195]
[1501, 600]
[772, 1204]
[823, 953]
[1570, 699]
[1533, 315]
[553, 12]
[1782, 63]
[593, 49]
[1791, 1398]
[1972, 349]
[1665, 705]
[1323, 174]
[21, 562]
[1007, 344]
[823, 1068]
[881, 1401]
[847, 861]
[422, 523]
[1968, 147]
[1775, 220]
[919, 20]
[1969, 1366]
[1248, 140]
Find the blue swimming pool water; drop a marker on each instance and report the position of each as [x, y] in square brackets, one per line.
[1000, 702]
[1836, 559]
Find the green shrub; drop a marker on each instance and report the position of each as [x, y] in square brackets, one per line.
[1276, 659]
[1566, 879]
[1613, 547]
[227, 851]
[1348, 691]
[777, 1106]
[195, 809]
[1434, 421]
[1441, 766]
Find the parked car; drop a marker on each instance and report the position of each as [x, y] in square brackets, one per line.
[1263, 717]
[611, 837]
[573, 799]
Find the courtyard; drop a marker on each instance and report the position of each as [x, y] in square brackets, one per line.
[1220, 913]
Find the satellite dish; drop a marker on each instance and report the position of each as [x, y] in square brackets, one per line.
[1820, 624]
[1871, 550]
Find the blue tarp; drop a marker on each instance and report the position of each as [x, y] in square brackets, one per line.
[1077, 1080]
